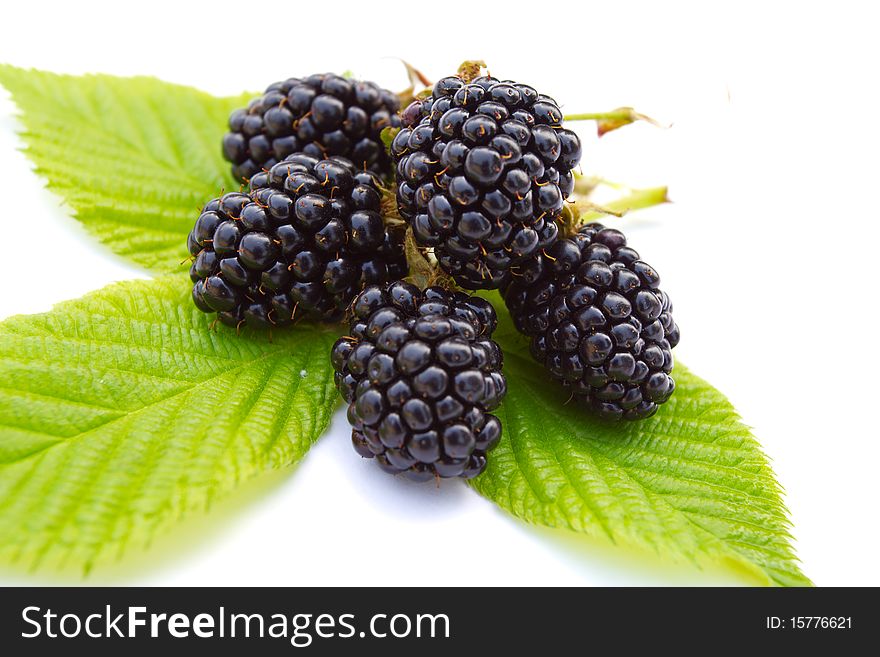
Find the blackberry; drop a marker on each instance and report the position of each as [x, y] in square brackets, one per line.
[598, 322]
[483, 169]
[321, 115]
[303, 242]
[420, 373]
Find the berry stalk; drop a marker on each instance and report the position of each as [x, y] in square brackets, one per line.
[637, 199]
[608, 121]
[583, 211]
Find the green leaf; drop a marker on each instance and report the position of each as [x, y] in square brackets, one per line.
[690, 484]
[134, 157]
[122, 412]
[609, 121]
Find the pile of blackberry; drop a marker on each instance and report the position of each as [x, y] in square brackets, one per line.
[483, 169]
[303, 242]
[320, 115]
[598, 322]
[421, 373]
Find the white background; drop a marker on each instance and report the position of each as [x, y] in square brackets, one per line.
[769, 253]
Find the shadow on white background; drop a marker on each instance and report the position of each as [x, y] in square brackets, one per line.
[336, 521]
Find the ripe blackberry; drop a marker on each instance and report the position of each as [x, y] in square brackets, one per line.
[598, 322]
[420, 373]
[483, 169]
[321, 115]
[304, 242]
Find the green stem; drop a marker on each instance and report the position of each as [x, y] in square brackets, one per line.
[639, 199]
[620, 114]
[608, 121]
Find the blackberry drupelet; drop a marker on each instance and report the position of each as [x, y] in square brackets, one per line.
[598, 322]
[321, 115]
[302, 243]
[421, 373]
[483, 170]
